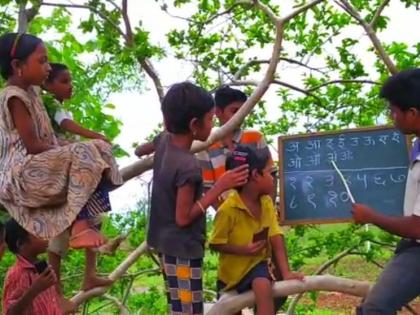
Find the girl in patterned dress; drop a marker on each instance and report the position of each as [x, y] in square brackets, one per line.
[48, 189]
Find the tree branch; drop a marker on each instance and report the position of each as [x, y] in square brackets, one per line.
[345, 5]
[87, 7]
[82, 296]
[300, 10]
[378, 13]
[320, 270]
[252, 62]
[230, 303]
[128, 29]
[342, 82]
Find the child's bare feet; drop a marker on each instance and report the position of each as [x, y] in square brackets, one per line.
[91, 282]
[85, 236]
[111, 246]
[67, 307]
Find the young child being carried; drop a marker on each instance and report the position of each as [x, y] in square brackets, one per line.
[178, 213]
[28, 287]
[246, 232]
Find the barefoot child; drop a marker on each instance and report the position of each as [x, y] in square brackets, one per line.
[177, 218]
[59, 84]
[246, 232]
[50, 190]
[28, 290]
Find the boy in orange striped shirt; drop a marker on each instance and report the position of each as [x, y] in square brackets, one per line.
[212, 161]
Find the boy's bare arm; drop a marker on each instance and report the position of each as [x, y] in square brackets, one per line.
[145, 149]
[279, 248]
[407, 227]
[74, 128]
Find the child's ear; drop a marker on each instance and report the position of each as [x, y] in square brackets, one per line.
[194, 125]
[255, 174]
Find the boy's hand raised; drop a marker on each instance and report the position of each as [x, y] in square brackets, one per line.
[45, 280]
[233, 178]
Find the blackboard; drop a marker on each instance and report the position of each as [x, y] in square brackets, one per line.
[374, 162]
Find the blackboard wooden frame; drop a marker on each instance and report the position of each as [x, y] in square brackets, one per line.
[281, 192]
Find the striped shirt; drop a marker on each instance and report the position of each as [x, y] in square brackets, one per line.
[18, 280]
[212, 161]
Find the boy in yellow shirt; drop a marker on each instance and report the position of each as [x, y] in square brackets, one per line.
[246, 231]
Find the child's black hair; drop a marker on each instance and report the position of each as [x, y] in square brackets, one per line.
[183, 102]
[15, 46]
[226, 96]
[15, 235]
[56, 68]
[256, 159]
[403, 89]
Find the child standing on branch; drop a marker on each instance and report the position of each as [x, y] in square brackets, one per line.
[178, 211]
[50, 190]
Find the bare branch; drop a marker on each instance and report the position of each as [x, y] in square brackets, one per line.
[122, 308]
[320, 270]
[378, 13]
[304, 8]
[342, 82]
[152, 73]
[128, 29]
[264, 8]
[230, 303]
[252, 62]
[86, 7]
[116, 6]
[345, 5]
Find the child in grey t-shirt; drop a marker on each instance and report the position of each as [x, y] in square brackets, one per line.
[177, 218]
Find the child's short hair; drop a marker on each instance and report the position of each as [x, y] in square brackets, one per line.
[15, 235]
[403, 89]
[256, 159]
[56, 68]
[226, 96]
[183, 102]
[15, 46]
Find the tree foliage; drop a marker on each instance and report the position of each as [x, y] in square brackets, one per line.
[333, 59]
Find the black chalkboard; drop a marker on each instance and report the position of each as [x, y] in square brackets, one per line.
[374, 162]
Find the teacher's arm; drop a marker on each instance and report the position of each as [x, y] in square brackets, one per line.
[407, 227]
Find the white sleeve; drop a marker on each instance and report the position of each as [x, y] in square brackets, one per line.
[61, 115]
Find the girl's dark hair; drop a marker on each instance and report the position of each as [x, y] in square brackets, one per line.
[15, 46]
[226, 96]
[56, 68]
[183, 102]
[15, 235]
[403, 89]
